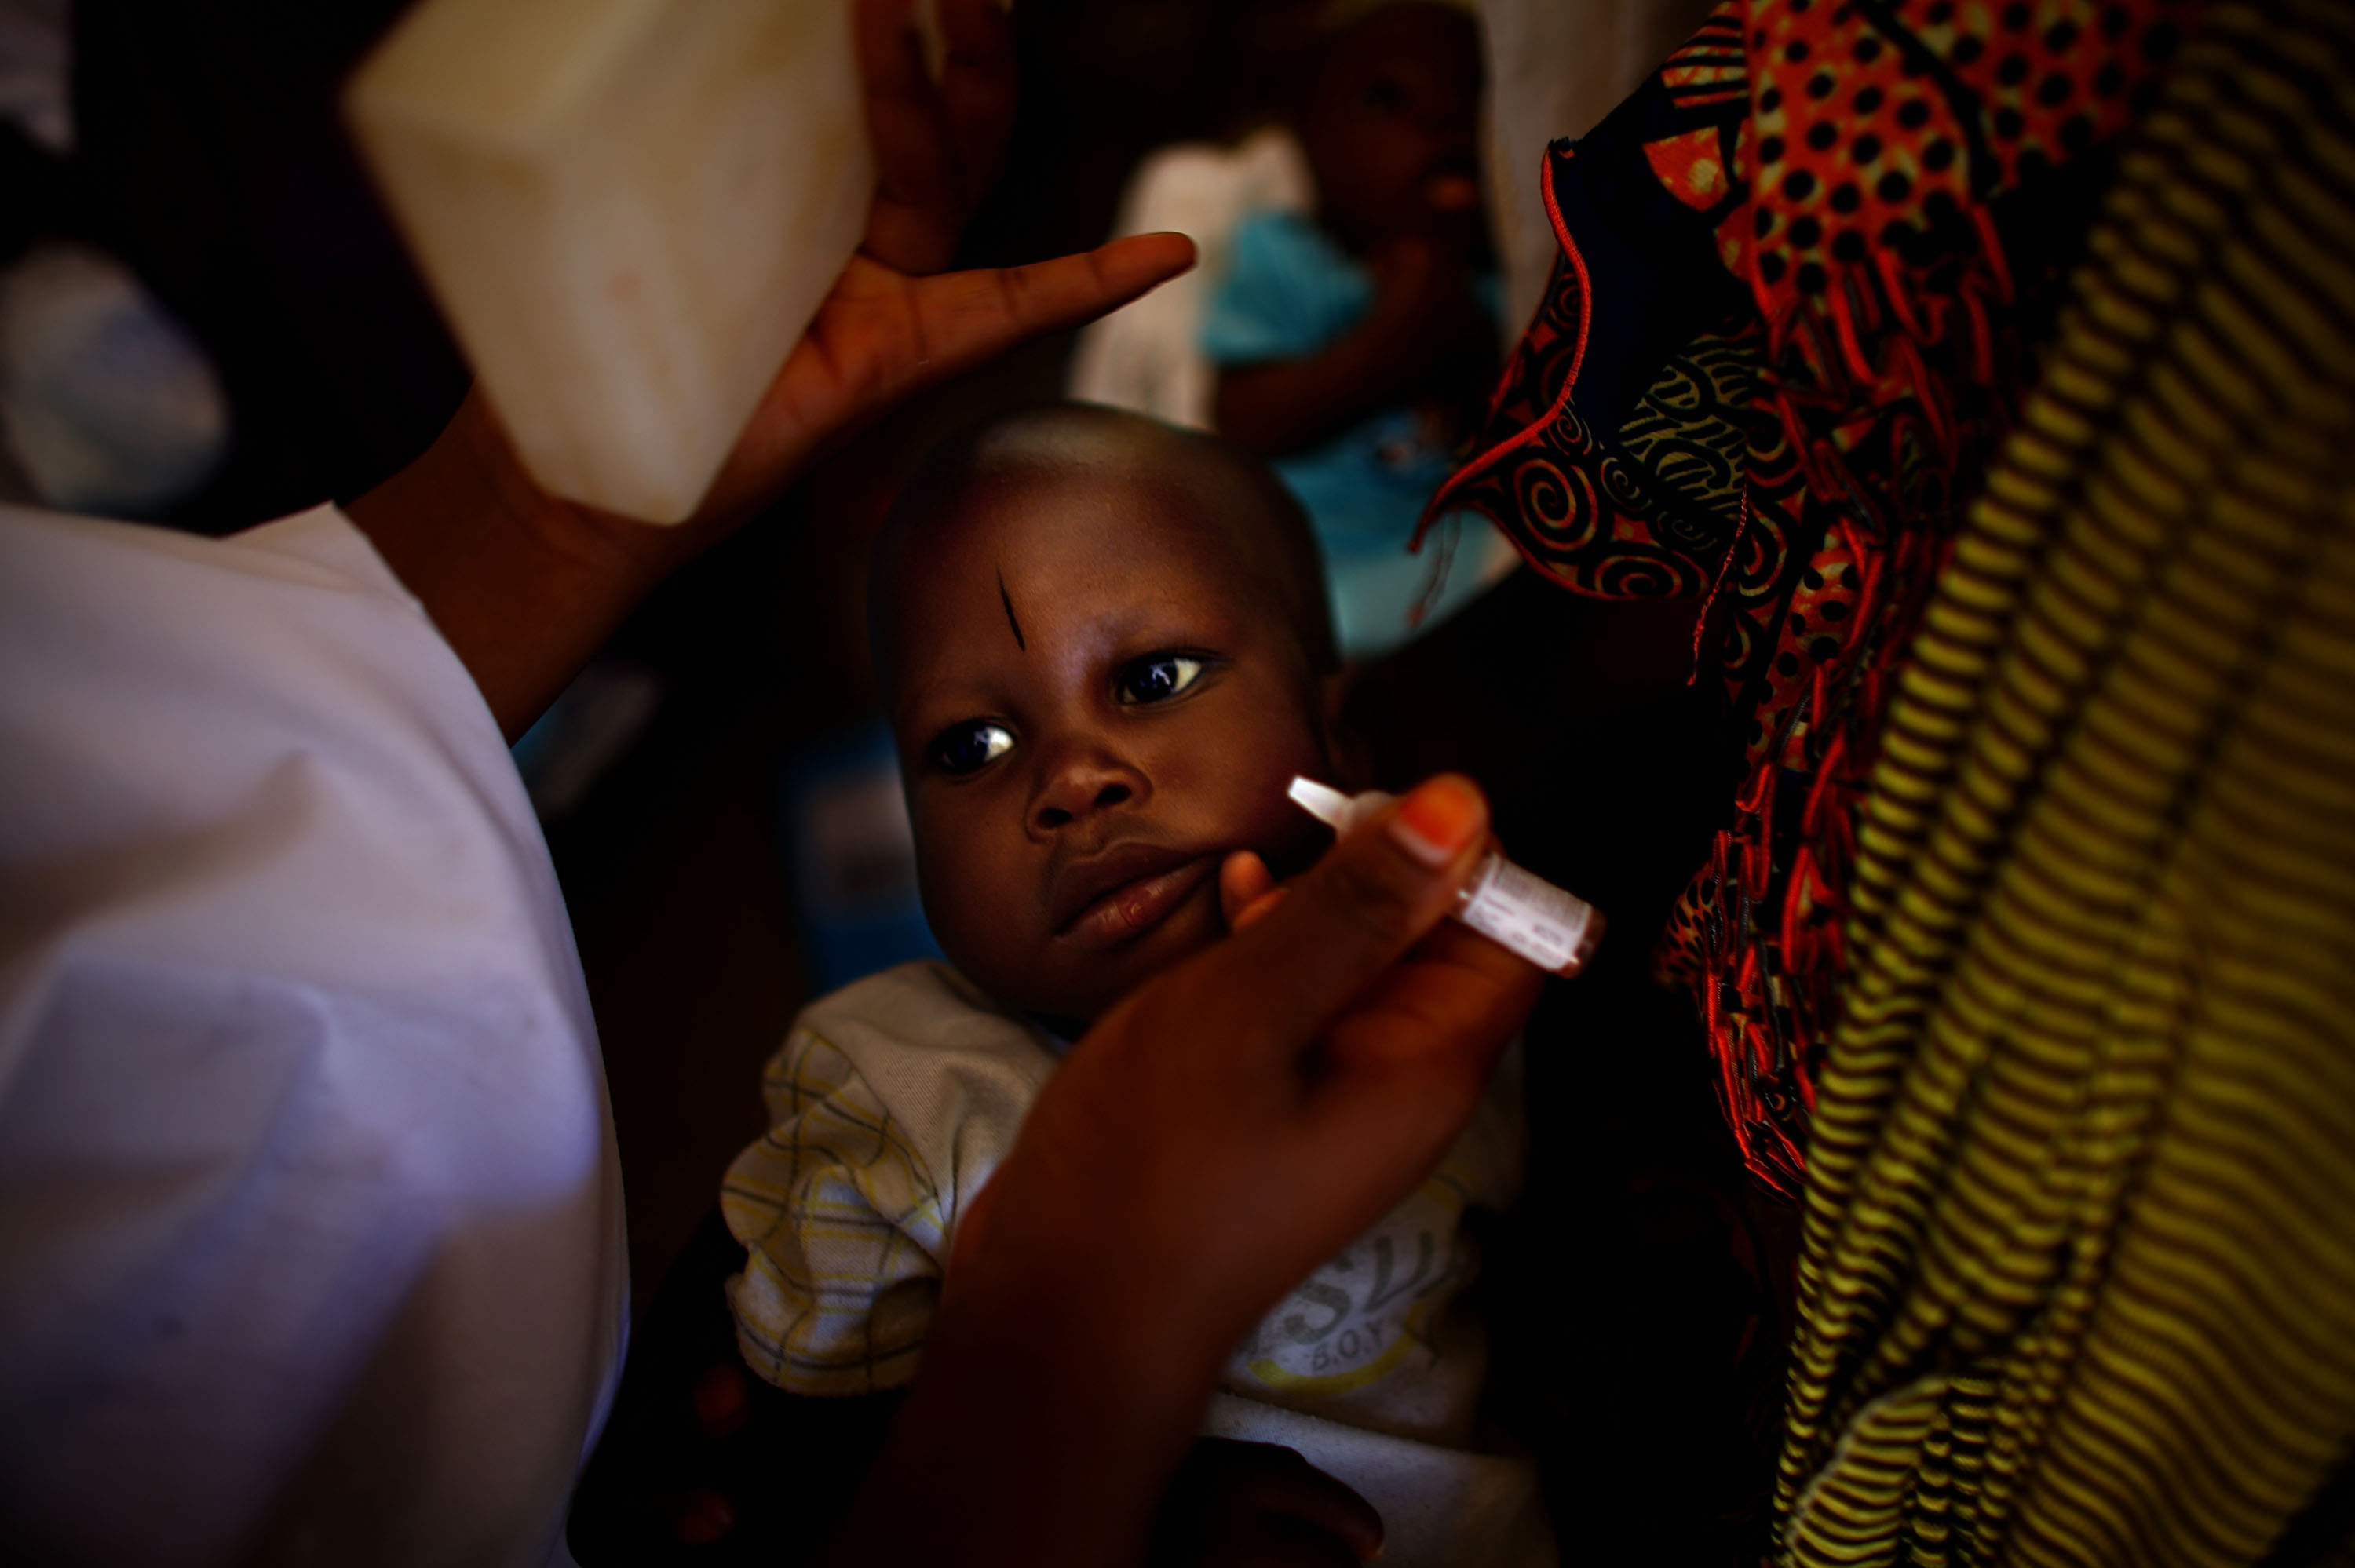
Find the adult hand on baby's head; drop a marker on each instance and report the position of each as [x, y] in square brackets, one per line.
[1202, 1149]
[890, 327]
[895, 323]
[526, 587]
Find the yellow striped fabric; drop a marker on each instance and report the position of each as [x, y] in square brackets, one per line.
[2078, 1283]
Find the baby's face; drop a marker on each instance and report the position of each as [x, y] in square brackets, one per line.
[1095, 703]
[1392, 126]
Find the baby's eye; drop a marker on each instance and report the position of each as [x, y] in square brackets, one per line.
[1158, 677]
[969, 746]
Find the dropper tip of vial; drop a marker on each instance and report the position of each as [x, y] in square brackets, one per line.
[1322, 801]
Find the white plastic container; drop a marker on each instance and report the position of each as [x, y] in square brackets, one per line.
[629, 210]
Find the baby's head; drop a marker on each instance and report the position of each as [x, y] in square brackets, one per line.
[1105, 650]
[1391, 121]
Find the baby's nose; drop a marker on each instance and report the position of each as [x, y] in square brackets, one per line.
[1065, 806]
[1083, 780]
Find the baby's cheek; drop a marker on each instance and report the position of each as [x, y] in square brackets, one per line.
[1261, 805]
[1239, 768]
[989, 953]
[970, 903]
[988, 920]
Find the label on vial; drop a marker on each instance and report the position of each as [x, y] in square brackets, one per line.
[1527, 914]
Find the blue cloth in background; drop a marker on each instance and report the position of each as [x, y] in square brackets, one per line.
[1290, 291]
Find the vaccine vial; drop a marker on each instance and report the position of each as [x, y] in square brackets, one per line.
[1528, 916]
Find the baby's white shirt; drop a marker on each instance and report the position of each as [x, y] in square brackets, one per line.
[891, 1104]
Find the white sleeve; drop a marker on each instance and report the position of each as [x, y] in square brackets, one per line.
[310, 1234]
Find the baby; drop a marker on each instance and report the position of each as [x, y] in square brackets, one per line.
[1354, 349]
[1105, 652]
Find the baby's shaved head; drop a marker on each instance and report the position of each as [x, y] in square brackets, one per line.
[1119, 473]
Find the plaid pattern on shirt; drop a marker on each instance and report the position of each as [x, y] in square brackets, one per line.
[844, 1223]
[890, 1104]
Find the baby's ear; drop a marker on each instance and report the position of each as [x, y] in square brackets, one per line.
[1344, 745]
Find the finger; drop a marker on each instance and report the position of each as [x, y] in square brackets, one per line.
[1348, 919]
[978, 90]
[1257, 909]
[919, 208]
[1243, 880]
[963, 318]
[1280, 1481]
[1382, 1081]
[1401, 1071]
[880, 338]
[1456, 980]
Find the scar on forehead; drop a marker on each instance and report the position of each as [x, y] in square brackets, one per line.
[1007, 600]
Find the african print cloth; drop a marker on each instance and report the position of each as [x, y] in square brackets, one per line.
[2078, 1280]
[1800, 271]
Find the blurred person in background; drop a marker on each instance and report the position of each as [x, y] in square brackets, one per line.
[1354, 342]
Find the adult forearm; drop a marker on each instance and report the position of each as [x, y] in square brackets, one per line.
[1041, 1433]
[523, 587]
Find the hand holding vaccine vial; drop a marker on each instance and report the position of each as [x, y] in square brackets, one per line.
[1526, 914]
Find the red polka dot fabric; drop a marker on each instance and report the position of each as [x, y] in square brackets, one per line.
[1874, 125]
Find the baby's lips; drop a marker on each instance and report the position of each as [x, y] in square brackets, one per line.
[1450, 193]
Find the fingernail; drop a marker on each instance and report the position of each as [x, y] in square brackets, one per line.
[1438, 819]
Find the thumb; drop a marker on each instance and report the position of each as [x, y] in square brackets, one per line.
[1347, 920]
[1243, 881]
